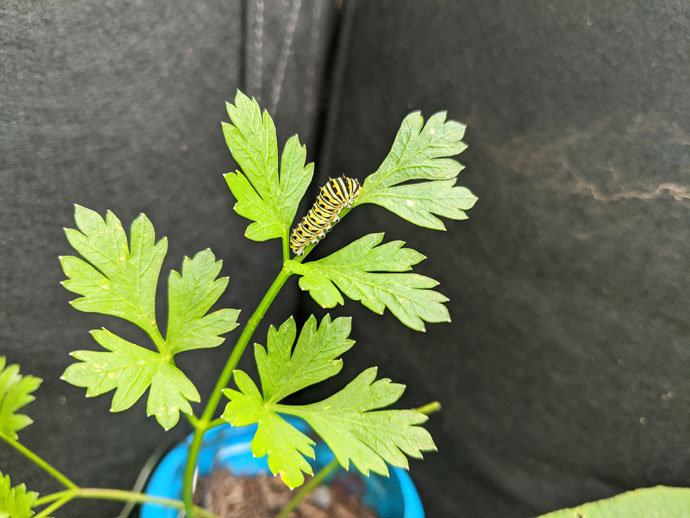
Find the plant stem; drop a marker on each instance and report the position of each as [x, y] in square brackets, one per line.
[128, 496]
[63, 497]
[223, 381]
[429, 408]
[52, 497]
[308, 488]
[38, 461]
[215, 422]
[56, 505]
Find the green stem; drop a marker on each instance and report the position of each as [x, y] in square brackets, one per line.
[429, 408]
[215, 423]
[52, 497]
[62, 497]
[56, 505]
[308, 488]
[223, 381]
[38, 461]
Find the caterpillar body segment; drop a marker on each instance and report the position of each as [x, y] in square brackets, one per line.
[337, 194]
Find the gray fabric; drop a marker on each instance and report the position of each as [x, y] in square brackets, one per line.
[564, 373]
[117, 105]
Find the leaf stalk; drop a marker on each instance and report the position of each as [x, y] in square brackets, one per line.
[57, 475]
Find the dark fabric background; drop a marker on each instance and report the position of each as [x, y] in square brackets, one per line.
[564, 375]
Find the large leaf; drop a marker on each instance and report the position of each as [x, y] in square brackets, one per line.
[264, 196]
[421, 152]
[15, 393]
[130, 369]
[350, 421]
[15, 502]
[653, 502]
[361, 270]
[121, 281]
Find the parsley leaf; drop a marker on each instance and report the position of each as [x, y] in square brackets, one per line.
[283, 443]
[314, 359]
[190, 296]
[420, 152]
[15, 393]
[348, 421]
[351, 427]
[130, 370]
[354, 270]
[15, 502]
[120, 279]
[648, 502]
[262, 195]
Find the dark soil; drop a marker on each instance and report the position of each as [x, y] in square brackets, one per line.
[230, 496]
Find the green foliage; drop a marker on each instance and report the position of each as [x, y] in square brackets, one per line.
[654, 502]
[120, 279]
[15, 502]
[15, 393]
[421, 152]
[130, 370]
[348, 421]
[355, 270]
[262, 195]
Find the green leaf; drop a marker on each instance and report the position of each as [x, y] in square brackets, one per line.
[421, 152]
[654, 502]
[283, 443]
[349, 421]
[263, 196]
[314, 359]
[15, 502]
[418, 202]
[354, 430]
[121, 280]
[15, 393]
[130, 370]
[353, 269]
[190, 296]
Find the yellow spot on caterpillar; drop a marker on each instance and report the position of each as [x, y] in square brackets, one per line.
[409, 203]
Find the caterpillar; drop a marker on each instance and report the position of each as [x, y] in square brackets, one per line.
[333, 197]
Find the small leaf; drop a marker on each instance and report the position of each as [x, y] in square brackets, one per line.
[421, 152]
[15, 393]
[263, 196]
[653, 502]
[15, 502]
[190, 296]
[284, 372]
[349, 421]
[418, 202]
[353, 269]
[120, 279]
[130, 369]
[275, 437]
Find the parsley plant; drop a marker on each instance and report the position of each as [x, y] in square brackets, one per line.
[118, 275]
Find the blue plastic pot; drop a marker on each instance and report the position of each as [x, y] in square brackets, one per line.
[229, 447]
